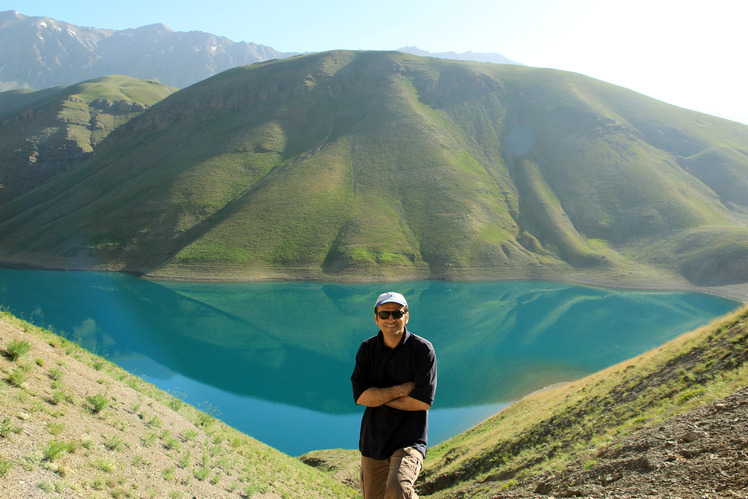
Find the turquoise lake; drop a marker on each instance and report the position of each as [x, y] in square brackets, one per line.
[274, 359]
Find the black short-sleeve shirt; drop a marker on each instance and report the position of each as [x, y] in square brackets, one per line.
[384, 429]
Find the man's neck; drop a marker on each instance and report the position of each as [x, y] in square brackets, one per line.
[393, 340]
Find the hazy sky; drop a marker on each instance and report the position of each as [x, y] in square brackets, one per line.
[688, 53]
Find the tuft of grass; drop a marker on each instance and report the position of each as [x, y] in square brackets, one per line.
[57, 448]
[171, 443]
[59, 396]
[98, 402]
[589, 464]
[6, 428]
[105, 465]
[114, 443]
[201, 473]
[5, 466]
[18, 376]
[689, 395]
[17, 349]
[170, 473]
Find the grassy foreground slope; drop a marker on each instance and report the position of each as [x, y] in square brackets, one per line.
[381, 165]
[74, 424]
[46, 132]
[581, 421]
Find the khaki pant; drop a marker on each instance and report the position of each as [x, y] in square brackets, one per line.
[391, 478]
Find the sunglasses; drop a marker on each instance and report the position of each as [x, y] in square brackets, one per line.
[396, 314]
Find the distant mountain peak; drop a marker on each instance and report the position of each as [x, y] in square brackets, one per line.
[464, 56]
[41, 52]
[153, 28]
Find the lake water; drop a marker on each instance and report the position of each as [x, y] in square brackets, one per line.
[274, 359]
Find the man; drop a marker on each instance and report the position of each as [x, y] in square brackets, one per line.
[395, 378]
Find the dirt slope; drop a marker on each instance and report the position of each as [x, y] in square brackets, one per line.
[703, 453]
[75, 425]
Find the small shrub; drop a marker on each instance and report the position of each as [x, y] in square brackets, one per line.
[104, 465]
[6, 428]
[57, 448]
[5, 466]
[17, 349]
[59, 396]
[149, 439]
[46, 487]
[169, 473]
[18, 376]
[171, 443]
[98, 402]
[589, 464]
[56, 374]
[99, 483]
[37, 405]
[189, 435]
[114, 443]
[201, 473]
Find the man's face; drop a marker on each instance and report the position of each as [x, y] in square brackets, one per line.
[390, 325]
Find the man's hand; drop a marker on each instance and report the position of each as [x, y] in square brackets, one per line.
[374, 397]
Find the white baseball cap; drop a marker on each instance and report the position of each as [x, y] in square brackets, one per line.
[391, 297]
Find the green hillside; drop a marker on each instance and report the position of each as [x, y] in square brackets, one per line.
[45, 132]
[541, 435]
[384, 165]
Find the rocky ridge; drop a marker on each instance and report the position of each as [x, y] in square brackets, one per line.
[703, 453]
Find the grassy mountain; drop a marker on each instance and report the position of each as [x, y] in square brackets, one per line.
[39, 52]
[45, 132]
[384, 165]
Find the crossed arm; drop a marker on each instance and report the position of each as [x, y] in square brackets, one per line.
[396, 397]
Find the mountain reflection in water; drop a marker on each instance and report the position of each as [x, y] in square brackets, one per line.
[274, 359]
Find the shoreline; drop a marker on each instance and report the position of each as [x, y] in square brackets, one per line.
[636, 280]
